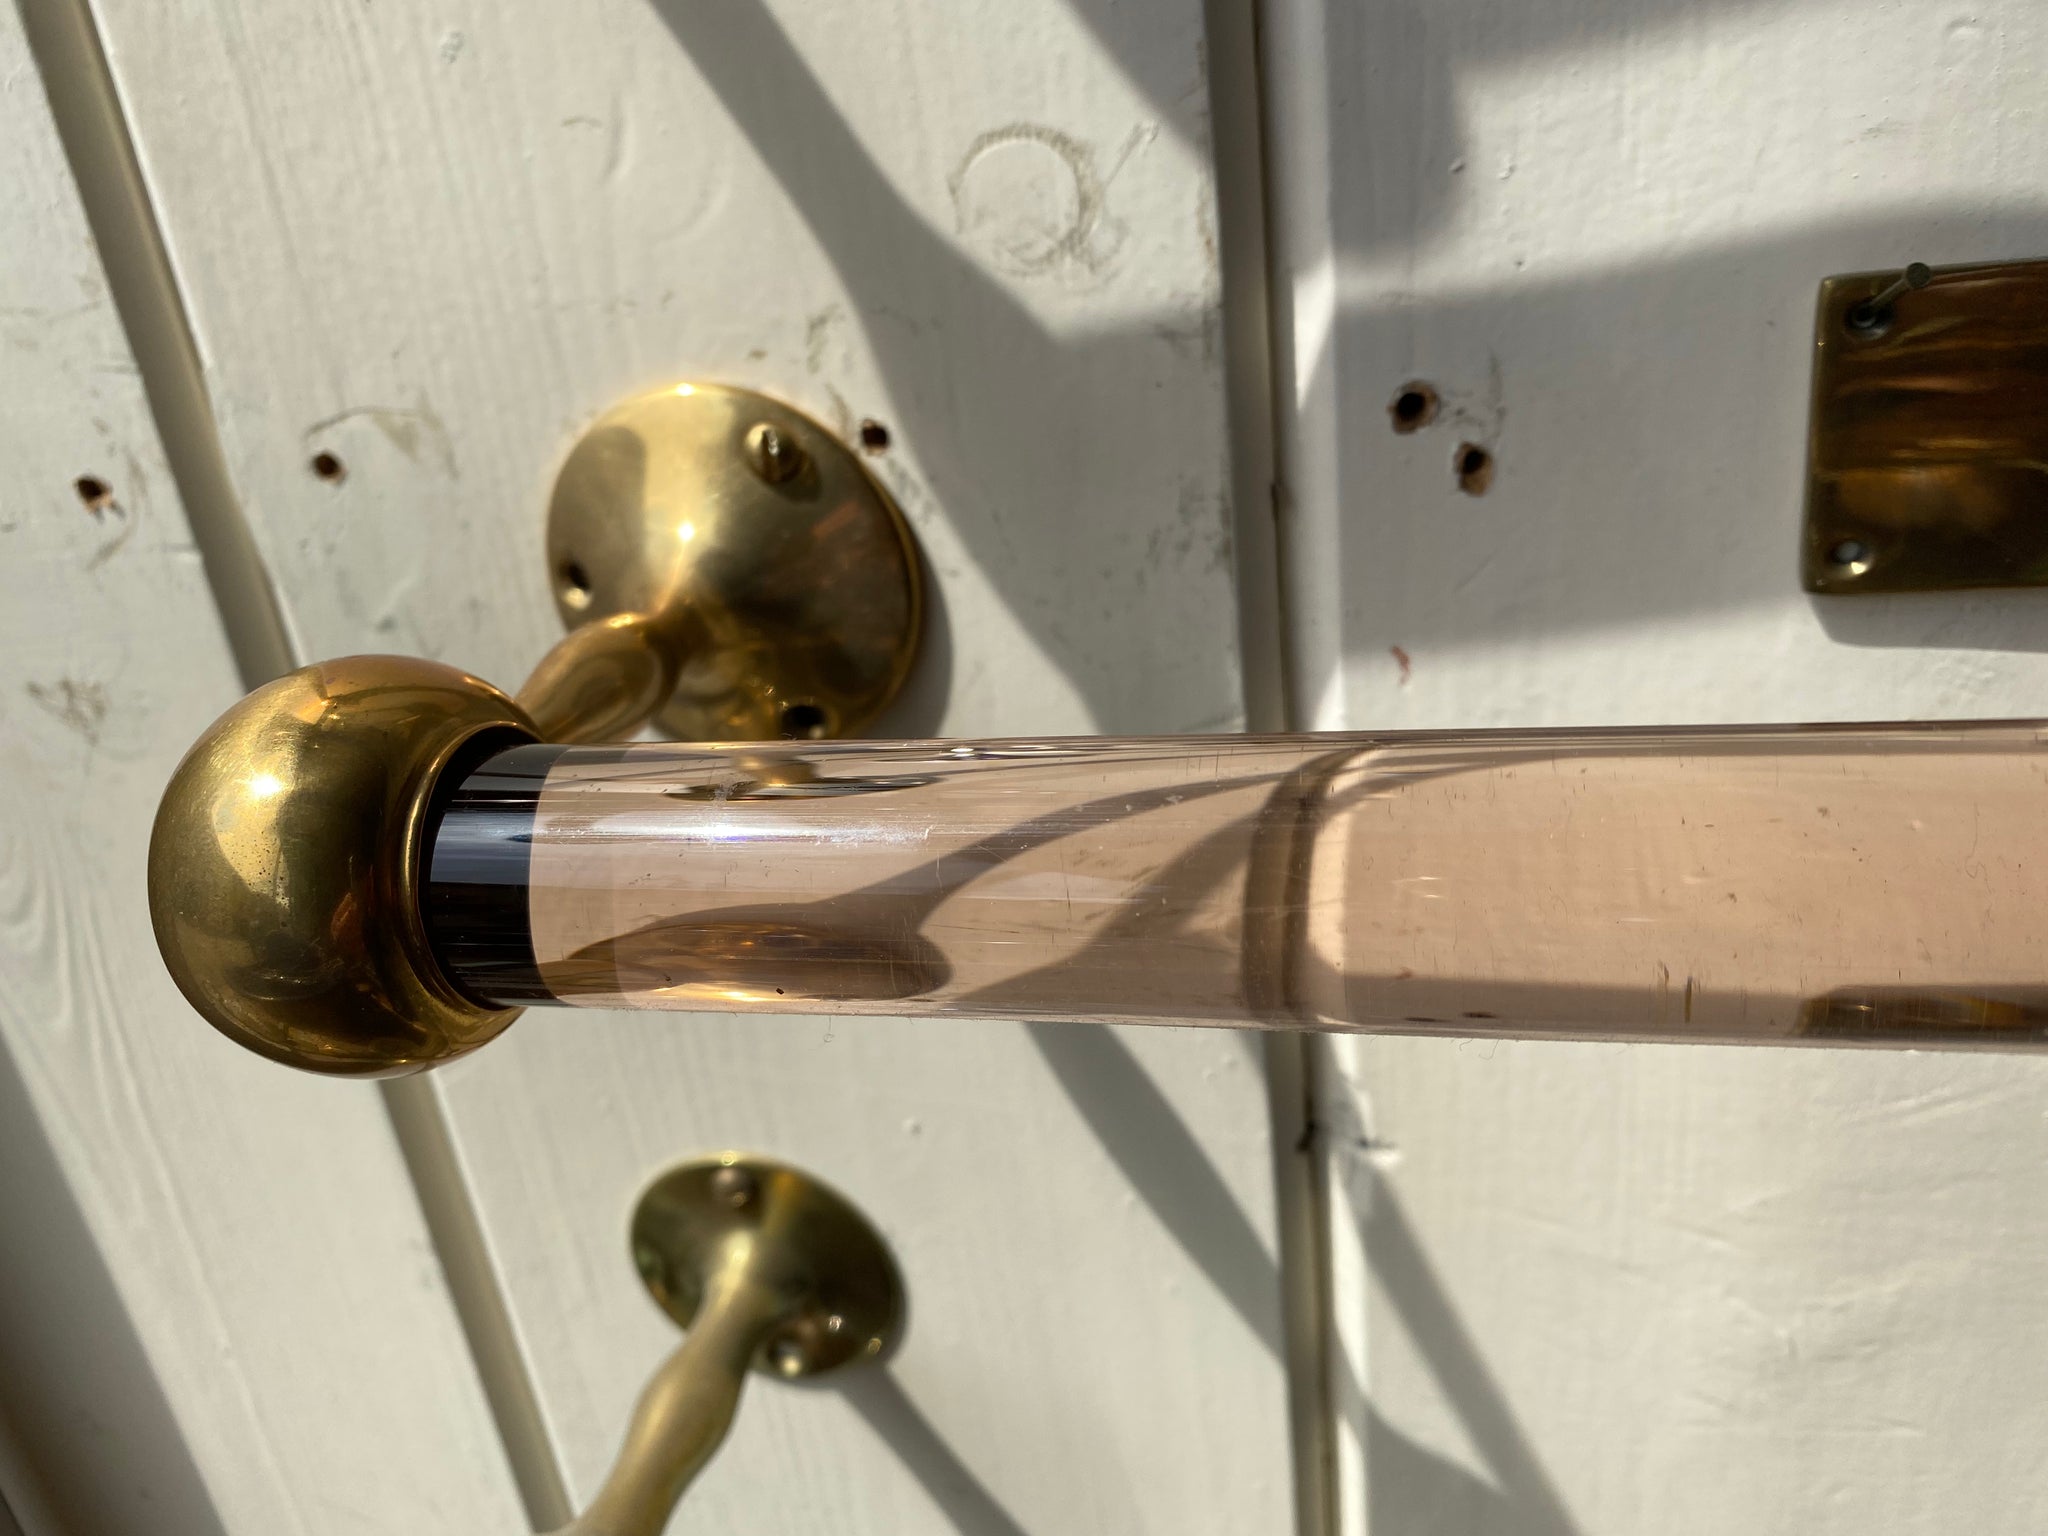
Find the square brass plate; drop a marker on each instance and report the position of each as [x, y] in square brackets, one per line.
[1927, 462]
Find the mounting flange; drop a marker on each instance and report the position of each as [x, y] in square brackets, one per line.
[789, 576]
[838, 1296]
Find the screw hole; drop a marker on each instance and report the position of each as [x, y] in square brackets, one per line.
[803, 722]
[1474, 466]
[329, 468]
[94, 492]
[873, 436]
[575, 583]
[1413, 407]
[1849, 557]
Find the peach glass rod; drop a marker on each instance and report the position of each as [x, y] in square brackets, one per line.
[1842, 883]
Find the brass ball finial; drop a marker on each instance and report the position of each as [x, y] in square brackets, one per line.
[284, 868]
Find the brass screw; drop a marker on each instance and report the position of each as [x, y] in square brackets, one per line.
[735, 1187]
[777, 458]
[1850, 557]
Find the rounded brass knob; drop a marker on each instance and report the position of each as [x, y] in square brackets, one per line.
[284, 867]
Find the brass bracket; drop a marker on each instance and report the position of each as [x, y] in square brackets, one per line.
[1927, 459]
[769, 1269]
[785, 575]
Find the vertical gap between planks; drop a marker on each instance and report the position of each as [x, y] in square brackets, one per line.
[423, 1134]
[90, 125]
[1240, 147]
[94, 132]
[1300, 274]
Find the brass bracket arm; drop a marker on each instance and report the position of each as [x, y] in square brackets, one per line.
[769, 1270]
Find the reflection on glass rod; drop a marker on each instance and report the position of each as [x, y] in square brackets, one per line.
[1859, 883]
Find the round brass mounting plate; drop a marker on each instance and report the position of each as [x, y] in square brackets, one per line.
[788, 574]
[843, 1295]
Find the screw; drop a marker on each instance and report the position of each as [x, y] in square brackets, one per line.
[1874, 312]
[735, 1187]
[1849, 557]
[777, 458]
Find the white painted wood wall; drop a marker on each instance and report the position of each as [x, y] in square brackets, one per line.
[219, 1310]
[434, 245]
[1571, 1289]
[1587, 1289]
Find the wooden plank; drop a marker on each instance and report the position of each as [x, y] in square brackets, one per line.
[435, 247]
[1004, 258]
[1589, 1289]
[1083, 1217]
[218, 1308]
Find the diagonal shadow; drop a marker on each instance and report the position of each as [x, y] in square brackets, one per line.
[79, 1399]
[1410, 1489]
[878, 1397]
[1010, 422]
[1153, 1147]
[991, 440]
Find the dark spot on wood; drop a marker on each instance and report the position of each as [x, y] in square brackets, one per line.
[1413, 407]
[329, 467]
[97, 495]
[1474, 466]
[874, 436]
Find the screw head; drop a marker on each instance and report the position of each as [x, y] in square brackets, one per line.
[1850, 557]
[774, 453]
[735, 1187]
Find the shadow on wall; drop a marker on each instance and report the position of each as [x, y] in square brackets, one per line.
[1166, 1166]
[79, 1402]
[1656, 523]
[1412, 1491]
[1724, 315]
[1602, 517]
[879, 1398]
[1657, 463]
[1023, 437]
